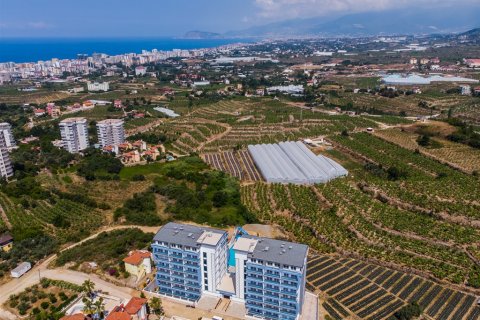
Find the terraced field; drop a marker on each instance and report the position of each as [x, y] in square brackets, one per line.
[456, 155]
[236, 163]
[352, 288]
[76, 219]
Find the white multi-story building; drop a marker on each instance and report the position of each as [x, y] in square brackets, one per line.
[6, 130]
[98, 86]
[6, 168]
[74, 132]
[110, 132]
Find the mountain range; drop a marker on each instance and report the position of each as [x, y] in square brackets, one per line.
[416, 21]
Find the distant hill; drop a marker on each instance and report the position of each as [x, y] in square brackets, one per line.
[474, 33]
[400, 21]
[202, 35]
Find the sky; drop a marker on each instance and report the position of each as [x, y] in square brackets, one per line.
[162, 18]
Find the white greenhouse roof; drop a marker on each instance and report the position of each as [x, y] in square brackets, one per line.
[293, 162]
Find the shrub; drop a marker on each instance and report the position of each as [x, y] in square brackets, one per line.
[45, 305]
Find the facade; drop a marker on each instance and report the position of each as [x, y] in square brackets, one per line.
[138, 263]
[110, 132]
[267, 275]
[465, 90]
[190, 260]
[6, 168]
[74, 133]
[98, 86]
[6, 131]
[270, 277]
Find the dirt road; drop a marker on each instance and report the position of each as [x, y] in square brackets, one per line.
[41, 271]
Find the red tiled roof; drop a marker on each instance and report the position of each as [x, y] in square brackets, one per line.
[118, 315]
[134, 305]
[78, 316]
[136, 257]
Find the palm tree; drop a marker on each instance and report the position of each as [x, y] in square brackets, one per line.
[99, 307]
[88, 307]
[88, 286]
[156, 306]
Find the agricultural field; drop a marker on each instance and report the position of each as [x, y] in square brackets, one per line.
[352, 288]
[236, 163]
[411, 217]
[48, 298]
[454, 154]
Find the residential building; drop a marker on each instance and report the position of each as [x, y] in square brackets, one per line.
[110, 132]
[98, 86]
[135, 309]
[270, 277]
[140, 71]
[466, 90]
[413, 61]
[472, 63]
[74, 133]
[267, 275]
[6, 131]
[6, 168]
[6, 242]
[190, 260]
[138, 263]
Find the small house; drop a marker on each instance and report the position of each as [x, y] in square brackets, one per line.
[6, 242]
[138, 263]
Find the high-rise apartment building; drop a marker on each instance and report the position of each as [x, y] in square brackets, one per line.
[110, 132]
[74, 132]
[6, 131]
[267, 275]
[6, 168]
[190, 260]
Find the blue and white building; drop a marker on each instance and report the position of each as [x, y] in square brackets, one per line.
[190, 260]
[267, 275]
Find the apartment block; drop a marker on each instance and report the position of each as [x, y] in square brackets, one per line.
[266, 275]
[110, 132]
[190, 260]
[98, 86]
[270, 277]
[6, 168]
[74, 133]
[6, 131]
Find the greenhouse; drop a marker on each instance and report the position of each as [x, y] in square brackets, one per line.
[293, 162]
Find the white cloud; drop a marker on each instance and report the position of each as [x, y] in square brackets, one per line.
[287, 9]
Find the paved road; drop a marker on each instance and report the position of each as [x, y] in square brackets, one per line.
[32, 277]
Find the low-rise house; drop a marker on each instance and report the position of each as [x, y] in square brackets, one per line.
[465, 90]
[472, 63]
[6, 242]
[131, 157]
[138, 263]
[135, 309]
[39, 112]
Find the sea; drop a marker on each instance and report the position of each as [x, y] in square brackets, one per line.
[35, 49]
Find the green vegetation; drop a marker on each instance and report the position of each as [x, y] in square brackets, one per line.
[32, 249]
[107, 249]
[139, 210]
[44, 301]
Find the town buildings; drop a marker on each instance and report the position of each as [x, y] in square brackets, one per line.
[267, 275]
[74, 133]
[6, 131]
[6, 168]
[98, 86]
[110, 132]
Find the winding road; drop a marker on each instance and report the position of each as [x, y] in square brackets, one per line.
[41, 270]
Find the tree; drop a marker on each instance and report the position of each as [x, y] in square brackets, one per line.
[424, 140]
[156, 306]
[99, 307]
[88, 307]
[88, 286]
